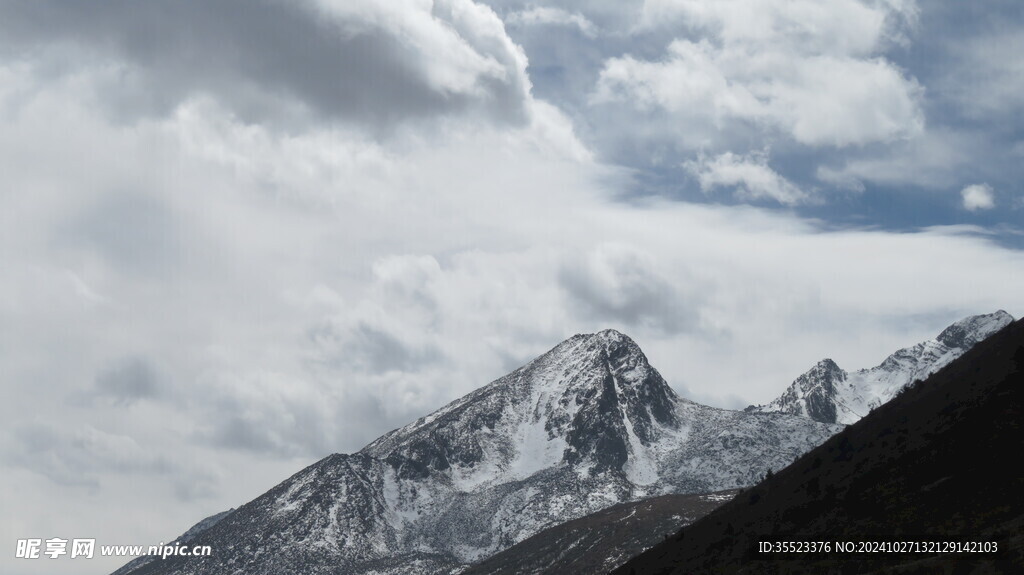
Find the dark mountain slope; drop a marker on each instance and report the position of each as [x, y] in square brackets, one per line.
[603, 540]
[936, 463]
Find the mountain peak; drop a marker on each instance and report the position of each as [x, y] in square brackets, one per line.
[965, 333]
[601, 395]
[828, 394]
[811, 395]
[616, 349]
[584, 362]
[607, 342]
[590, 401]
[610, 335]
[826, 365]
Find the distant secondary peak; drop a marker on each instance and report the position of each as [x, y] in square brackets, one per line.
[821, 378]
[970, 330]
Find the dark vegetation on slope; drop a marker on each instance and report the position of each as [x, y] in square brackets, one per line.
[603, 540]
[936, 463]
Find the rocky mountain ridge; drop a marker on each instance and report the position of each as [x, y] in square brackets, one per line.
[585, 426]
[829, 394]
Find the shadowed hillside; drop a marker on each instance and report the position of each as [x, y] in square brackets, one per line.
[936, 463]
[601, 541]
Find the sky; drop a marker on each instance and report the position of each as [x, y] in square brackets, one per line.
[238, 236]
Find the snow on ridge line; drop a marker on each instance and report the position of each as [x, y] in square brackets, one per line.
[844, 397]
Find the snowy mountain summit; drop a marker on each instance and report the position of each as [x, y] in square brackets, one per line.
[589, 404]
[828, 394]
[586, 425]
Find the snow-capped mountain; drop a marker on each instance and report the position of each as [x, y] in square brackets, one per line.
[585, 426]
[829, 394]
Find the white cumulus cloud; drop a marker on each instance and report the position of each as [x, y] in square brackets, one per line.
[812, 71]
[549, 16]
[978, 197]
[749, 175]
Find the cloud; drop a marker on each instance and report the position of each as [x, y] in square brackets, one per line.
[548, 16]
[929, 160]
[978, 197]
[957, 55]
[365, 63]
[810, 71]
[368, 348]
[265, 412]
[750, 176]
[407, 279]
[621, 286]
[129, 380]
[82, 456]
[982, 79]
[134, 231]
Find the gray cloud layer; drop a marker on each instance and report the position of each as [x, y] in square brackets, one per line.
[361, 63]
[130, 380]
